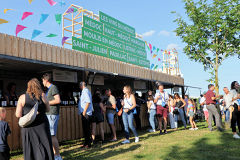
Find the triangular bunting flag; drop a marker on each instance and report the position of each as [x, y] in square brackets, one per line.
[70, 10]
[152, 66]
[51, 2]
[51, 35]
[75, 10]
[64, 40]
[26, 14]
[154, 48]
[43, 18]
[150, 46]
[5, 10]
[154, 56]
[19, 28]
[30, 1]
[35, 33]
[3, 21]
[58, 18]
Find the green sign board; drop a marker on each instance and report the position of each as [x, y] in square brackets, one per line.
[111, 38]
[144, 62]
[114, 33]
[137, 42]
[95, 37]
[117, 55]
[89, 47]
[92, 24]
[106, 19]
[132, 59]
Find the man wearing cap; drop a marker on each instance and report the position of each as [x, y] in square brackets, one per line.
[212, 110]
[85, 109]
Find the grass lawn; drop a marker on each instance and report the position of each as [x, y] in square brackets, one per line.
[182, 144]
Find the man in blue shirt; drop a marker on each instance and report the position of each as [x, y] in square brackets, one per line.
[85, 109]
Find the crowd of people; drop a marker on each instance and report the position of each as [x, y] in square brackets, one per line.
[223, 107]
[39, 138]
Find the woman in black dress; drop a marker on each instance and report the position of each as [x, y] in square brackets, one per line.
[180, 103]
[36, 138]
[98, 117]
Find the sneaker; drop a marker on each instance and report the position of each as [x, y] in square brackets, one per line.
[152, 130]
[125, 141]
[136, 139]
[196, 128]
[161, 132]
[191, 129]
[165, 131]
[211, 130]
[236, 136]
[113, 140]
[220, 129]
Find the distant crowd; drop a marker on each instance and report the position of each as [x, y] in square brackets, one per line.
[39, 137]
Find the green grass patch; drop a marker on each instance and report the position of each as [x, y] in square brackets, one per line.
[181, 144]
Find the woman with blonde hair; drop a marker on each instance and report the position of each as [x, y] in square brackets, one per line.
[129, 104]
[36, 137]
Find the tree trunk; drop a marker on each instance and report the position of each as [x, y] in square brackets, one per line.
[216, 75]
[216, 81]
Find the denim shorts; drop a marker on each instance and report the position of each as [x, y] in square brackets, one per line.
[191, 113]
[110, 117]
[53, 123]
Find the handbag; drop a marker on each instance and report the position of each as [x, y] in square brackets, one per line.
[175, 111]
[29, 117]
[134, 110]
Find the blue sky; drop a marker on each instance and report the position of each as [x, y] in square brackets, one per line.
[151, 18]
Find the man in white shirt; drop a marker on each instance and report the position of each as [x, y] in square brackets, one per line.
[161, 100]
[85, 108]
[227, 101]
[203, 104]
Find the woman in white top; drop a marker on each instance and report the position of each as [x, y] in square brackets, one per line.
[129, 104]
[236, 112]
[152, 112]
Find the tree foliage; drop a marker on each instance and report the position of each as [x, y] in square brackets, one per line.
[212, 32]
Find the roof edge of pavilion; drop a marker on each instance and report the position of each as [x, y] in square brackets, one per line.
[38, 52]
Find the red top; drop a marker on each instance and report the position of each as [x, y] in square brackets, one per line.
[209, 96]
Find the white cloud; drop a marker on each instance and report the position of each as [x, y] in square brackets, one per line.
[164, 33]
[148, 33]
[172, 46]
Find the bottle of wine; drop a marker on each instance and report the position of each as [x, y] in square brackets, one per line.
[15, 100]
[3, 102]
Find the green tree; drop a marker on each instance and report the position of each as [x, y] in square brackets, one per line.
[211, 34]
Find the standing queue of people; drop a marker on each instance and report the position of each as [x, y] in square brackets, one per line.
[39, 138]
[164, 106]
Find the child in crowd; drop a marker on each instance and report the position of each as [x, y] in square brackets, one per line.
[152, 112]
[4, 132]
[191, 110]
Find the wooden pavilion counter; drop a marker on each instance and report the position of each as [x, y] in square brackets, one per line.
[69, 126]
